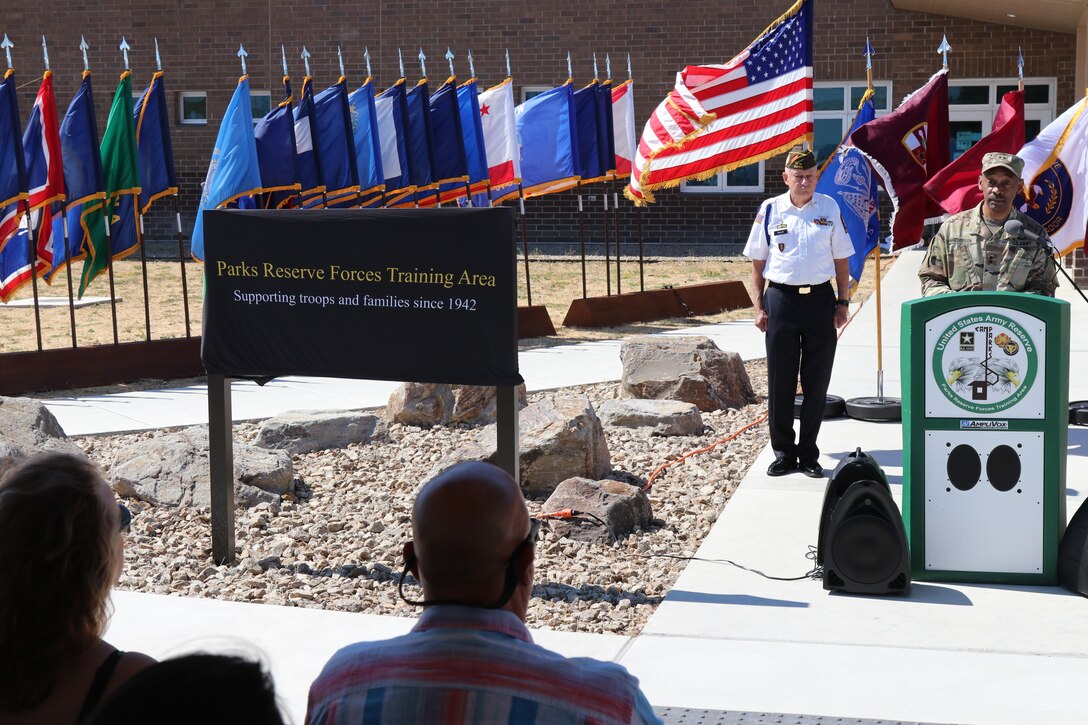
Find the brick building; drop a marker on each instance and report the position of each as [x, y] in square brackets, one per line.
[198, 40]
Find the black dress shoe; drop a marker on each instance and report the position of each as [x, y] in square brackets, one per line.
[781, 467]
[812, 470]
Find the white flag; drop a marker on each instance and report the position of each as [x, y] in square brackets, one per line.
[500, 139]
[1055, 169]
[623, 126]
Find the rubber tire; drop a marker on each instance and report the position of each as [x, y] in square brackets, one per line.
[834, 406]
[1078, 412]
[877, 410]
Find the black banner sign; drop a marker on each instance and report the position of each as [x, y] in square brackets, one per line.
[423, 295]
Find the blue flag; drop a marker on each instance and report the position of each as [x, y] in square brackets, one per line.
[13, 182]
[336, 146]
[606, 133]
[448, 152]
[421, 143]
[83, 179]
[277, 156]
[587, 151]
[548, 137]
[848, 179]
[368, 145]
[468, 102]
[306, 144]
[234, 171]
[153, 144]
[391, 109]
[15, 264]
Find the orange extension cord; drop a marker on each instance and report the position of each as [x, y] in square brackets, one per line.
[661, 469]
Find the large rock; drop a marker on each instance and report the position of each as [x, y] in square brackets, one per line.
[27, 428]
[430, 404]
[621, 507]
[691, 369]
[655, 417]
[475, 404]
[303, 431]
[422, 404]
[174, 470]
[561, 438]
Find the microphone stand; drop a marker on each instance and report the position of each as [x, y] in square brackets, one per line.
[1014, 227]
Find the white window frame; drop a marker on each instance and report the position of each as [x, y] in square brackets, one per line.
[847, 113]
[721, 185]
[255, 94]
[528, 92]
[984, 113]
[182, 120]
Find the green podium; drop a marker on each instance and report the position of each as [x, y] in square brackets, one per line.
[985, 427]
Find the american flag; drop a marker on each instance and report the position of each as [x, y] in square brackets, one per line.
[720, 117]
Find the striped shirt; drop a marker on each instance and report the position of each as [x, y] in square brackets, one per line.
[470, 665]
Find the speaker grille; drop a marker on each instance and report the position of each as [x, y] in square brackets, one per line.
[866, 549]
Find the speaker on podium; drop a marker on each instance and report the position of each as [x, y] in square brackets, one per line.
[1073, 553]
[865, 544]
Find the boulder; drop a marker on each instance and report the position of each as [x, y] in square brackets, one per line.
[655, 417]
[691, 369]
[561, 437]
[422, 404]
[27, 428]
[174, 470]
[430, 404]
[621, 507]
[475, 404]
[303, 431]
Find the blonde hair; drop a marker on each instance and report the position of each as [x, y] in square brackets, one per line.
[57, 566]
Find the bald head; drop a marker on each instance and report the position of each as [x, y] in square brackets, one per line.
[467, 523]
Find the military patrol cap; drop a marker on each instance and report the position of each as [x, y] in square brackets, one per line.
[800, 158]
[1010, 162]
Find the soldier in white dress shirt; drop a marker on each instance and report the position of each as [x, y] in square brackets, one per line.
[797, 245]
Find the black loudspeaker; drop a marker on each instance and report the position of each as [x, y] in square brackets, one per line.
[865, 549]
[1073, 553]
[858, 466]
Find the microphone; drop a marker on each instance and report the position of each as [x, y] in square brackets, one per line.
[1015, 228]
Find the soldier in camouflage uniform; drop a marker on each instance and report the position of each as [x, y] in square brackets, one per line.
[971, 250]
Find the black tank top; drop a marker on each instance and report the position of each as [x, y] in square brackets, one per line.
[98, 684]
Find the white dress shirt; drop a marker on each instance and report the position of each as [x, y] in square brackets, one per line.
[800, 246]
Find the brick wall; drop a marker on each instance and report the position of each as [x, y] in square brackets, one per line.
[198, 40]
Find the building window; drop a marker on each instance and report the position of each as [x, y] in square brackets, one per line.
[260, 103]
[973, 103]
[745, 180]
[834, 105]
[193, 107]
[528, 92]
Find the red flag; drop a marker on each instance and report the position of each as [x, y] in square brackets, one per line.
[955, 187]
[907, 148]
[720, 117]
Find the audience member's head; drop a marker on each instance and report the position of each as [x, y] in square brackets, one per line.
[196, 688]
[60, 553]
[472, 539]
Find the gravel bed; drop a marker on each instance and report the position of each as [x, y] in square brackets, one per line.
[336, 543]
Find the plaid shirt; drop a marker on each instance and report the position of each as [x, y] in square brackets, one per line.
[470, 665]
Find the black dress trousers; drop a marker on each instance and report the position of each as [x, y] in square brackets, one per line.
[801, 338]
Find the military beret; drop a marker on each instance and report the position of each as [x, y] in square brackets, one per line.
[800, 158]
[1010, 162]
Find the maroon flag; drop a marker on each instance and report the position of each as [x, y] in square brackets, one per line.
[955, 187]
[907, 148]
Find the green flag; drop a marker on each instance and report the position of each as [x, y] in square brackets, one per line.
[121, 174]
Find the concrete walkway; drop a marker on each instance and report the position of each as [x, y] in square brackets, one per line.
[724, 638]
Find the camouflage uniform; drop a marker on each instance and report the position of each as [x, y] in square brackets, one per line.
[963, 256]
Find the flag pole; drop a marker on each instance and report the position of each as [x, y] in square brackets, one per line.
[581, 210]
[140, 228]
[869, 53]
[177, 219]
[344, 79]
[615, 196]
[638, 217]
[604, 198]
